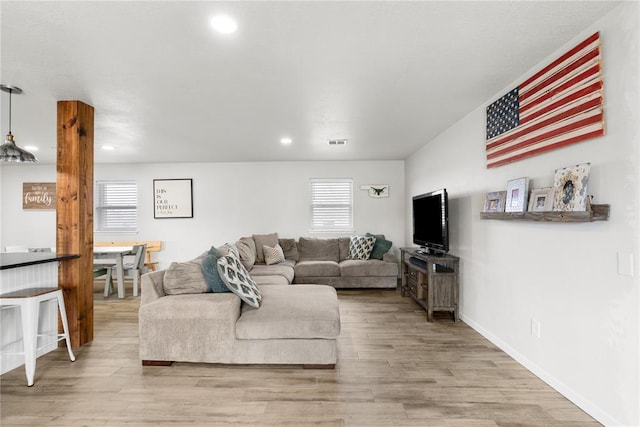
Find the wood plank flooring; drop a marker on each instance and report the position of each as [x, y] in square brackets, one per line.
[394, 369]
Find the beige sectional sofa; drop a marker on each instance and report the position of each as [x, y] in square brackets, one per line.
[293, 325]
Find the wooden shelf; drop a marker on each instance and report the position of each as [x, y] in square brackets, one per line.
[595, 213]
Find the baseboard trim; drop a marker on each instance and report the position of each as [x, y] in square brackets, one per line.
[568, 392]
[157, 363]
[317, 366]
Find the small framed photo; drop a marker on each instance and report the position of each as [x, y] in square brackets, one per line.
[570, 185]
[494, 201]
[172, 198]
[541, 200]
[517, 191]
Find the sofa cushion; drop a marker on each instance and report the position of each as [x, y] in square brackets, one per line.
[370, 267]
[290, 248]
[317, 269]
[361, 246]
[273, 255]
[284, 269]
[312, 249]
[343, 245]
[237, 279]
[270, 280]
[292, 312]
[184, 278]
[210, 272]
[247, 251]
[381, 246]
[261, 240]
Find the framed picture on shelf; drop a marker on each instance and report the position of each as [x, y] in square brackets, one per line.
[494, 201]
[172, 198]
[570, 186]
[541, 200]
[517, 190]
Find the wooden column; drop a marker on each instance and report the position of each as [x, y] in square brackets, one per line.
[74, 215]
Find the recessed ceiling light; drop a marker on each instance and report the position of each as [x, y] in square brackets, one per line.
[224, 24]
[108, 147]
[31, 148]
[338, 141]
[286, 141]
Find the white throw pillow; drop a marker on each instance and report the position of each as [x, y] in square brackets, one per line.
[360, 247]
[273, 255]
[237, 279]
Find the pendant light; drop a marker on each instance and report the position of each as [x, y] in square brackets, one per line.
[9, 151]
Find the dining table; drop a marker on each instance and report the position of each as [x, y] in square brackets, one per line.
[113, 256]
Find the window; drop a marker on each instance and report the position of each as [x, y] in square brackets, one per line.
[332, 205]
[116, 205]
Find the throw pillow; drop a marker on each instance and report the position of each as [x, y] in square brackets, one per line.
[247, 250]
[237, 279]
[184, 278]
[210, 272]
[361, 246]
[273, 255]
[261, 240]
[290, 248]
[381, 246]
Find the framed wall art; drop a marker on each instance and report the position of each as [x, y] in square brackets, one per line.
[570, 186]
[172, 198]
[517, 190]
[39, 195]
[541, 199]
[494, 201]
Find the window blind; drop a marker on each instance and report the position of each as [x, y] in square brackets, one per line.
[332, 205]
[116, 205]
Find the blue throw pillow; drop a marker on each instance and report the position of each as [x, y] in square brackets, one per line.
[210, 272]
[381, 246]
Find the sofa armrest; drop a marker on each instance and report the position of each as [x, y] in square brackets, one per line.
[151, 288]
[390, 256]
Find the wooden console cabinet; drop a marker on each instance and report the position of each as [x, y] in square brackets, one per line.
[431, 281]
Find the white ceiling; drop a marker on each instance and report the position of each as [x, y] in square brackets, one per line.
[388, 76]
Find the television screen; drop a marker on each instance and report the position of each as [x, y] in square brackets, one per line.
[431, 221]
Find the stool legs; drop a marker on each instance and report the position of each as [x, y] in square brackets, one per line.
[65, 324]
[29, 310]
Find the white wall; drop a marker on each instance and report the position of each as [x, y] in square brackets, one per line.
[230, 200]
[563, 275]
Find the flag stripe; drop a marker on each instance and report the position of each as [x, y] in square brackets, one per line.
[586, 59]
[551, 146]
[563, 58]
[559, 105]
[582, 122]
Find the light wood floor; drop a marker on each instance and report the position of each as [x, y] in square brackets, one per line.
[394, 369]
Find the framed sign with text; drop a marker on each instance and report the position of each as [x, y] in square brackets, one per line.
[173, 198]
[39, 195]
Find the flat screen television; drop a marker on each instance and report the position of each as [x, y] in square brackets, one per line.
[431, 222]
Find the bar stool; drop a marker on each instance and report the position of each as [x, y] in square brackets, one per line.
[29, 302]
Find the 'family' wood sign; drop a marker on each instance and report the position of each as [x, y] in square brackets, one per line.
[38, 195]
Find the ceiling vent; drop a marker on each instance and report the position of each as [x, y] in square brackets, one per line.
[337, 142]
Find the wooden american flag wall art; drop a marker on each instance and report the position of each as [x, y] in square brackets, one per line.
[559, 105]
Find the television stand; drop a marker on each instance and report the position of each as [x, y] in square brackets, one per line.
[430, 280]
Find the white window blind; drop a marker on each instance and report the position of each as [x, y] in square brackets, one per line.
[116, 205]
[332, 205]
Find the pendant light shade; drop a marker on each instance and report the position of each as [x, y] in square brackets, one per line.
[9, 151]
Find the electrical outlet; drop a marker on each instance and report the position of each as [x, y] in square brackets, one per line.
[535, 328]
[625, 264]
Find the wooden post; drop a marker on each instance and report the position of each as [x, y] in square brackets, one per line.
[74, 216]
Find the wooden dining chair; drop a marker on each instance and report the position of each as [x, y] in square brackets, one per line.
[133, 270]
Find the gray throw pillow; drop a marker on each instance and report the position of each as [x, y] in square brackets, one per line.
[247, 251]
[381, 246]
[210, 272]
[290, 248]
[264, 240]
[184, 278]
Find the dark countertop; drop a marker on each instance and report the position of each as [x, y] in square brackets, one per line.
[22, 259]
